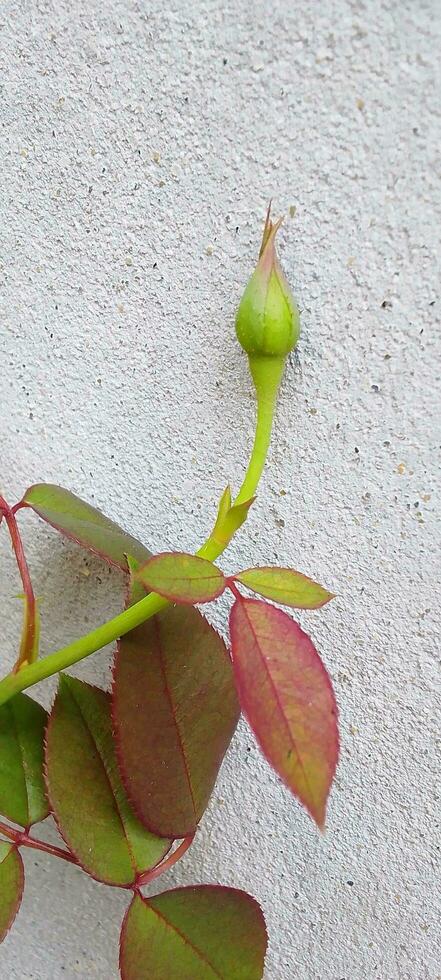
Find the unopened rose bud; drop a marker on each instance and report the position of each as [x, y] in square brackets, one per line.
[267, 322]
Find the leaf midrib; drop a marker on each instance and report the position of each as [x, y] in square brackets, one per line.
[186, 941]
[173, 713]
[277, 698]
[109, 782]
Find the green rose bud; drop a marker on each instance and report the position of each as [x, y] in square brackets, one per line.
[267, 322]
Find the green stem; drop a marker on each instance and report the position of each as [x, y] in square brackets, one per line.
[266, 372]
[73, 652]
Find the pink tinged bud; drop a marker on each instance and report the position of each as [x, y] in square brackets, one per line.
[267, 321]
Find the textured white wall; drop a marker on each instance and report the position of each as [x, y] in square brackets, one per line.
[140, 144]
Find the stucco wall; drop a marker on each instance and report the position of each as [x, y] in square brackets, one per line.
[140, 144]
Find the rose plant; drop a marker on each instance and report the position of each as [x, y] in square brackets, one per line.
[127, 773]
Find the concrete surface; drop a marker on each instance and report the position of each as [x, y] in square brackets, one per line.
[140, 144]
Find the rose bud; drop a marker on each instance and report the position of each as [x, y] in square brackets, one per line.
[267, 321]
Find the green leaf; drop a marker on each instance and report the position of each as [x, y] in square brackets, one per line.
[175, 710]
[287, 697]
[182, 578]
[22, 791]
[203, 933]
[87, 797]
[286, 586]
[11, 885]
[84, 524]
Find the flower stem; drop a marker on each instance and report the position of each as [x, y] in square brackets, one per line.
[266, 372]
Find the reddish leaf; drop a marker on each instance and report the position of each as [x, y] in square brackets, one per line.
[287, 697]
[286, 586]
[88, 800]
[11, 885]
[84, 524]
[22, 791]
[175, 710]
[182, 578]
[204, 933]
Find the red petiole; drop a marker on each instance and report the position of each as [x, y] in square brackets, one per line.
[148, 876]
[22, 839]
[233, 588]
[30, 630]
